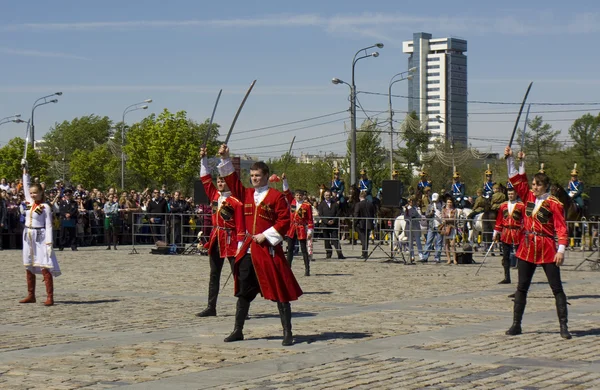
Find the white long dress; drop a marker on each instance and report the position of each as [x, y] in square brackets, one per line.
[37, 235]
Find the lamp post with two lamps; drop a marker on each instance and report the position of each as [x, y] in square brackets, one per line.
[392, 82]
[13, 118]
[128, 109]
[44, 100]
[353, 107]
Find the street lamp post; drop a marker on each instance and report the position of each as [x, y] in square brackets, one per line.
[131, 108]
[36, 105]
[353, 108]
[9, 119]
[392, 82]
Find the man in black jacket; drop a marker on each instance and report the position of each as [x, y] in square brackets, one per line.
[329, 214]
[365, 211]
[177, 207]
[67, 210]
[156, 210]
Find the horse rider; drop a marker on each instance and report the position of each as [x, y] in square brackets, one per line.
[365, 185]
[337, 188]
[458, 190]
[479, 205]
[575, 188]
[488, 185]
[498, 197]
[423, 183]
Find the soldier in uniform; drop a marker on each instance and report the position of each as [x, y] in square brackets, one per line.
[458, 190]
[337, 188]
[544, 220]
[509, 228]
[260, 265]
[365, 185]
[488, 185]
[67, 210]
[228, 230]
[301, 224]
[575, 188]
[423, 182]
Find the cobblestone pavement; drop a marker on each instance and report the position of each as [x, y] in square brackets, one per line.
[128, 321]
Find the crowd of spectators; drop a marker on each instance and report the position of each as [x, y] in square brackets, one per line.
[106, 217]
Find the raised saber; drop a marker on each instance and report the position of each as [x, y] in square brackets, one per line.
[238, 112]
[26, 140]
[289, 153]
[211, 120]
[512, 137]
[525, 127]
[485, 257]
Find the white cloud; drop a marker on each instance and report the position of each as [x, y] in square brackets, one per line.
[37, 53]
[374, 25]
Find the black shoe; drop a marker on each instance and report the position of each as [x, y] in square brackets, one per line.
[514, 330]
[208, 312]
[341, 257]
[61, 249]
[505, 281]
[115, 247]
[236, 335]
[306, 272]
[108, 248]
[74, 249]
[328, 256]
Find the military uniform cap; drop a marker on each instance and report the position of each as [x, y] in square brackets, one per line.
[423, 174]
[395, 173]
[363, 171]
[456, 175]
[574, 172]
[335, 170]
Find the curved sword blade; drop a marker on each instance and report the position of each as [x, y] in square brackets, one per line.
[237, 114]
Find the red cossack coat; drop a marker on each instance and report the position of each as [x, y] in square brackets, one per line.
[275, 277]
[301, 218]
[227, 221]
[510, 225]
[540, 226]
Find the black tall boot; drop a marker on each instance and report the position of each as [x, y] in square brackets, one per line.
[506, 265]
[213, 293]
[285, 313]
[241, 312]
[306, 266]
[519, 309]
[561, 310]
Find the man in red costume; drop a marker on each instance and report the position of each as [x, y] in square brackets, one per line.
[509, 228]
[260, 265]
[544, 220]
[301, 224]
[228, 230]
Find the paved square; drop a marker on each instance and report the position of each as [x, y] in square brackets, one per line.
[128, 321]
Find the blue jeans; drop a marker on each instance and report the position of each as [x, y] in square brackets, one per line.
[433, 237]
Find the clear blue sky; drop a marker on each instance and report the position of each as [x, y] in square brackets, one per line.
[107, 55]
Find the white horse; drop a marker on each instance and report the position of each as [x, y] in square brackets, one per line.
[475, 226]
[400, 237]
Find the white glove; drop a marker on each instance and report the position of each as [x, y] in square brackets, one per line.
[23, 163]
[49, 250]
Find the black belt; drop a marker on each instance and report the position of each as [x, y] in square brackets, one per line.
[223, 228]
[513, 227]
[527, 232]
[35, 228]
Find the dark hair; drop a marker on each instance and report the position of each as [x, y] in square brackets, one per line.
[260, 166]
[542, 179]
[40, 190]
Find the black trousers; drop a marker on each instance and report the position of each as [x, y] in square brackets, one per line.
[68, 236]
[527, 270]
[290, 249]
[216, 266]
[247, 280]
[363, 236]
[330, 235]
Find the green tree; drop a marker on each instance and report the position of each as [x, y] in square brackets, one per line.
[415, 139]
[370, 154]
[10, 164]
[585, 133]
[540, 142]
[164, 149]
[96, 168]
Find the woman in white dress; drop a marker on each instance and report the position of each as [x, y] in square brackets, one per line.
[38, 256]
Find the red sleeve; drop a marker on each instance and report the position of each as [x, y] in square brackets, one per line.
[521, 185]
[209, 187]
[310, 224]
[240, 225]
[500, 217]
[235, 185]
[282, 224]
[560, 225]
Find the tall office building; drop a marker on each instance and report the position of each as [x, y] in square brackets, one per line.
[438, 90]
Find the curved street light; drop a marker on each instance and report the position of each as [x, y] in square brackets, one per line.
[36, 105]
[352, 86]
[408, 76]
[128, 109]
